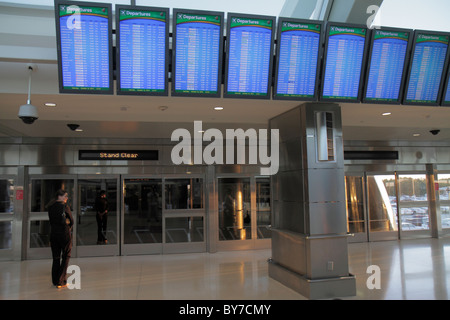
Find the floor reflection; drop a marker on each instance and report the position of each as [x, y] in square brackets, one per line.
[410, 269]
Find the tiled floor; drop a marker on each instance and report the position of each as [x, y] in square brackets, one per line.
[410, 269]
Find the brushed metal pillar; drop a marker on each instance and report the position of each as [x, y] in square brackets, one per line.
[309, 235]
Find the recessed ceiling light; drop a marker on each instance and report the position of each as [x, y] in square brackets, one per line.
[416, 134]
[79, 130]
[386, 113]
[218, 108]
[50, 104]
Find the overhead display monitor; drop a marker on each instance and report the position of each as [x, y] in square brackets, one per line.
[249, 59]
[446, 93]
[142, 46]
[83, 33]
[387, 65]
[299, 52]
[344, 58]
[197, 53]
[426, 71]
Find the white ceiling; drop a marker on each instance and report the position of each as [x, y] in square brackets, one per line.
[141, 117]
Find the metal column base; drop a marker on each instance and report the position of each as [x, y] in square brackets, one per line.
[313, 289]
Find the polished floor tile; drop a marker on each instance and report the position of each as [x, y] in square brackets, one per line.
[409, 269]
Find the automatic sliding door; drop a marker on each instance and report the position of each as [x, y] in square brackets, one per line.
[382, 207]
[97, 234]
[414, 210]
[43, 189]
[356, 217]
[444, 201]
[7, 213]
[142, 216]
[184, 213]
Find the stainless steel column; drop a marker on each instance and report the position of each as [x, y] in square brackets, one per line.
[309, 235]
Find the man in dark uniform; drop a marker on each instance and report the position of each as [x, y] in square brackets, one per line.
[101, 207]
[61, 222]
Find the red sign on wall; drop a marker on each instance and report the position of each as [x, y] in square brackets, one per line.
[19, 194]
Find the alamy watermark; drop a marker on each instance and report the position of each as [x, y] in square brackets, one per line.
[374, 280]
[74, 280]
[374, 20]
[213, 153]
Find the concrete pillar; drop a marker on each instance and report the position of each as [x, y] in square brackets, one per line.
[309, 235]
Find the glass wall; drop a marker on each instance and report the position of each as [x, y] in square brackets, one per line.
[6, 212]
[234, 209]
[184, 193]
[90, 229]
[382, 203]
[42, 192]
[142, 211]
[184, 229]
[414, 211]
[263, 208]
[354, 193]
[444, 199]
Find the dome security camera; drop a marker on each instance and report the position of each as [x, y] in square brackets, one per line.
[435, 132]
[28, 113]
[73, 126]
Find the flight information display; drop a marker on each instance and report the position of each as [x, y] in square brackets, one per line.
[344, 56]
[84, 47]
[197, 53]
[142, 42]
[446, 96]
[386, 66]
[298, 57]
[426, 70]
[249, 56]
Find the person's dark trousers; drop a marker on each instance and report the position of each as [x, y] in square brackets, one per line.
[61, 245]
[101, 227]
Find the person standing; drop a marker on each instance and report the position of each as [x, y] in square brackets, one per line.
[101, 207]
[61, 222]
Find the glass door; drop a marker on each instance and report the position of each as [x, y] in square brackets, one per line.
[356, 216]
[97, 218]
[243, 220]
[184, 214]
[163, 214]
[142, 222]
[382, 207]
[7, 216]
[413, 205]
[42, 190]
[444, 201]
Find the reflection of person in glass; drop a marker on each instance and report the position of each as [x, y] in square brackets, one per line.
[229, 208]
[101, 207]
[61, 222]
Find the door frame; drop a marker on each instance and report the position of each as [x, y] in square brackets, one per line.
[360, 236]
[412, 234]
[165, 247]
[97, 250]
[29, 216]
[248, 244]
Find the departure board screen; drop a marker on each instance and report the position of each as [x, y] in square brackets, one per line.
[197, 58]
[83, 32]
[249, 56]
[387, 66]
[142, 49]
[344, 58]
[428, 59]
[446, 94]
[298, 55]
